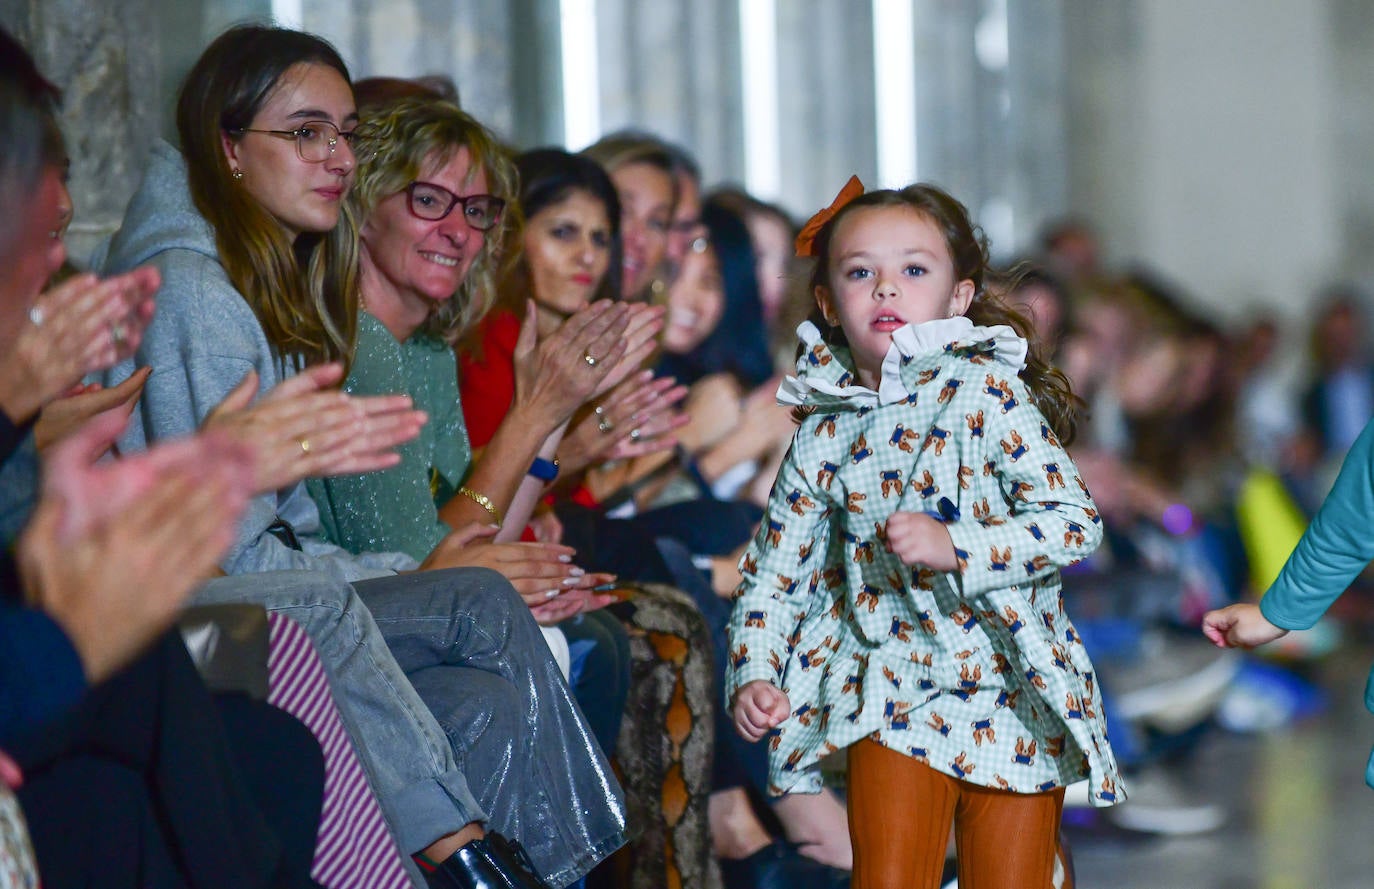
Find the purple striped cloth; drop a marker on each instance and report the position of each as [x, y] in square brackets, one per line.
[354, 849]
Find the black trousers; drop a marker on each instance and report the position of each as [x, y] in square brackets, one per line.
[154, 782]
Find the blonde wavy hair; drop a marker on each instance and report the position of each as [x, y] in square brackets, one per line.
[395, 144]
[304, 292]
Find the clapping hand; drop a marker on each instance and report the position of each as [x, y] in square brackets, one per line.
[634, 419]
[82, 325]
[114, 548]
[302, 428]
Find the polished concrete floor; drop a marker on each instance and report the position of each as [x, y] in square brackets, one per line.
[1300, 815]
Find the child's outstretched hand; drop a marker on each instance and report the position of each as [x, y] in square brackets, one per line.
[922, 540]
[1239, 626]
[759, 706]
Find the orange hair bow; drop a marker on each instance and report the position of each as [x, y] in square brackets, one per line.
[806, 240]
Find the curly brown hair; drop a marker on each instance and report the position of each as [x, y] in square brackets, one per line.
[968, 249]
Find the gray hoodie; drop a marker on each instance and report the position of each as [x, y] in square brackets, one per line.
[203, 339]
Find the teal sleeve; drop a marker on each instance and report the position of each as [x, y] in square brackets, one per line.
[1334, 549]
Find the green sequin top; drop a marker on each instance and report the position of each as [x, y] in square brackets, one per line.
[398, 508]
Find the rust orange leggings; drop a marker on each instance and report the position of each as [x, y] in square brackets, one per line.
[901, 811]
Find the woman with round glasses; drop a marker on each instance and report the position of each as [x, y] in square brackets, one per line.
[258, 255]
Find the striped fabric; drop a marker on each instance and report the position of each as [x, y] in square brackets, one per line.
[354, 849]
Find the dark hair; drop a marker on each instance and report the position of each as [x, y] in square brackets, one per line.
[739, 343]
[304, 293]
[29, 136]
[374, 92]
[745, 205]
[1028, 274]
[968, 250]
[549, 175]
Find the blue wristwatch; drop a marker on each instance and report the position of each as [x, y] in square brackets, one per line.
[544, 470]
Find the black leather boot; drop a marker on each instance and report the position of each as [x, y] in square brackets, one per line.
[492, 862]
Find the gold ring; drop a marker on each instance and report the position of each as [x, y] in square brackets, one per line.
[305, 444]
[587, 357]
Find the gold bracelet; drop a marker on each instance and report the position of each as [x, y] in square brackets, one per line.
[483, 501]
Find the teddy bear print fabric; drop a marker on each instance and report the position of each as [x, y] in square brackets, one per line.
[978, 672]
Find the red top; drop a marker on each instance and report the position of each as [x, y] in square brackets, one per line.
[487, 385]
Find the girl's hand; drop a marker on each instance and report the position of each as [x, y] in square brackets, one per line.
[638, 416]
[63, 416]
[759, 707]
[1239, 626]
[82, 325]
[304, 429]
[553, 377]
[921, 540]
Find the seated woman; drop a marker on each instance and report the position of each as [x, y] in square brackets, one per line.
[435, 179]
[571, 244]
[259, 269]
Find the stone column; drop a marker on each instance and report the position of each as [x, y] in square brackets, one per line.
[103, 54]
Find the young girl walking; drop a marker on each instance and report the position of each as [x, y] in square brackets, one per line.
[901, 600]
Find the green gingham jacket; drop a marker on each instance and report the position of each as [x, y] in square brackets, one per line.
[977, 672]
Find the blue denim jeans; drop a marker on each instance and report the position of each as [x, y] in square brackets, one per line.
[508, 746]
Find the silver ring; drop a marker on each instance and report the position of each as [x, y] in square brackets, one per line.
[635, 434]
[605, 425]
[587, 357]
[36, 315]
[117, 334]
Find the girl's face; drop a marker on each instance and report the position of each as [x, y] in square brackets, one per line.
[568, 249]
[696, 300]
[415, 264]
[301, 196]
[889, 267]
[646, 212]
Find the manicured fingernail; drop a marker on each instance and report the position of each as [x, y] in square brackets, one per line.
[565, 559]
[549, 594]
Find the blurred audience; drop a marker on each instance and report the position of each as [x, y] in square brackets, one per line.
[602, 442]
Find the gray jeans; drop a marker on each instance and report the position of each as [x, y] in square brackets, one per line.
[509, 746]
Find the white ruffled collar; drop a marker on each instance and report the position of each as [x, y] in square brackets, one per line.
[826, 376]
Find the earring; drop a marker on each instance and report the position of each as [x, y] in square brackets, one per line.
[238, 174]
